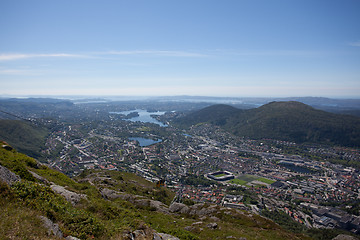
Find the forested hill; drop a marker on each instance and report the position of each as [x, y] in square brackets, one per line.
[289, 121]
[25, 137]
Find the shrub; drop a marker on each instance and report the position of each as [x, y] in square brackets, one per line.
[76, 222]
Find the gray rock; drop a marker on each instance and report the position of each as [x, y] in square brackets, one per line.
[206, 211]
[176, 207]
[215, 219]
[159, 206]
[139, 234]
[189, 228]
[212, 225]
[71, 238]
[344, 237]
[185, 210]
[110, 194]
[197, 223]
[142, 202]
[165, 236]
[38, 177]
[70, 196]
[200, 210]
[7, 176]
[53, 228]
[156, 236]
[198, 206]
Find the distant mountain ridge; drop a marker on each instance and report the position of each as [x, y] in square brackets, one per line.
[290, 121]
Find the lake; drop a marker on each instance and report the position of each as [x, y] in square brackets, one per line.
[144, 142]
[144, 116]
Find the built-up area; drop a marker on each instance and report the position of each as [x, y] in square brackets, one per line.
[240, 173]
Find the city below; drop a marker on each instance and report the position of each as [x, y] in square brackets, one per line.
[207, 164]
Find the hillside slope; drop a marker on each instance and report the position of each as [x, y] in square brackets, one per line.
[25, 137]
[110, 205]
[290, 121]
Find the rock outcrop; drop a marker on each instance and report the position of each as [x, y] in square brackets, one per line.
[165, 236]
[40, 178]
[7, 176]
[179, 208]
[52, 228]
[70, 196]
[344, 237]
[146, 233]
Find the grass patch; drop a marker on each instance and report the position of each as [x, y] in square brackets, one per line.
[238, 181]
[20, 222]
[220, 175]
[143, 129]
[246, 178]
[265, 180]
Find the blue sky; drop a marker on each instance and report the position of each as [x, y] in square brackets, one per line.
[235, 48]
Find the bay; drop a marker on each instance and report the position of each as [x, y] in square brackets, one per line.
[144, 116]
[144, 142]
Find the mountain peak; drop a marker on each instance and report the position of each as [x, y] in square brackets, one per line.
[289, 121]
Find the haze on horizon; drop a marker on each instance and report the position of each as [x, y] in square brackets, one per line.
[235, 48]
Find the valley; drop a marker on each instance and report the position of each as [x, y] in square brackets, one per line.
[314, 185]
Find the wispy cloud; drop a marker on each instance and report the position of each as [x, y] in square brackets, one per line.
[19, 72]
[271, 53]
[354, 44]
[17, 56]
[158, 53]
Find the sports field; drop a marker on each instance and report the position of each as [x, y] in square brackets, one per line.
[220, 175]
[238, 181]
[247, 178]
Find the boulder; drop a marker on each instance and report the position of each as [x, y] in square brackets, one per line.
[142, 202]
[7, 176]
[70, 196]
[176, 207]
[344, 237]
[159, 206]
[71, 238]
[156, 205]
[156, 236]
[144, 232]
[212, 225]
[206, 211]
[139, 235]
[190, 228]
[215, 219]
[200, 210]
[40, 178]
[197, 223]
[52, 228]
[165, 236]
[109, 194]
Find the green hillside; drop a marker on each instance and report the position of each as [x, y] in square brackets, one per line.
[25, 137]
[290, 121]
[111, 205]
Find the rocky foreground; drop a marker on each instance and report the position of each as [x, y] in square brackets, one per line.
[40, 203]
